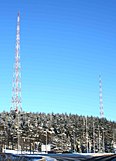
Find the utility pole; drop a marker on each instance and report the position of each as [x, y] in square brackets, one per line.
[93, 137]
[74, 140]
[103, 140]
[114, 139]
[46, 140]
[99, 146]
[86, 135]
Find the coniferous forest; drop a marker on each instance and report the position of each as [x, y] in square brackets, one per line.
[63, 132]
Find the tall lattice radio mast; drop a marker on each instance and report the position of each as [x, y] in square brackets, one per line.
[16, 89]
[101, 98]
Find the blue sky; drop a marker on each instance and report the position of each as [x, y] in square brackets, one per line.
[65, 45]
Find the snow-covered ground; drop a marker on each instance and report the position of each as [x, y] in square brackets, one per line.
[15, 155]
[26, 156]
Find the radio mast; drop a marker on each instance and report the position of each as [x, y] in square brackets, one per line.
[16, 89]
[101, 98]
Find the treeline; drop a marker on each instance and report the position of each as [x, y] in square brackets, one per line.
[64, 132]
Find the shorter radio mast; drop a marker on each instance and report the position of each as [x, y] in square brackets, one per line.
[101, 98]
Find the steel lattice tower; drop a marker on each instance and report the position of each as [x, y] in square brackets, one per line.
[101, 98]
[16, 89]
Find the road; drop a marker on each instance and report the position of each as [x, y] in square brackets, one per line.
[67, 157]
[103, 158]
[58, 157]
